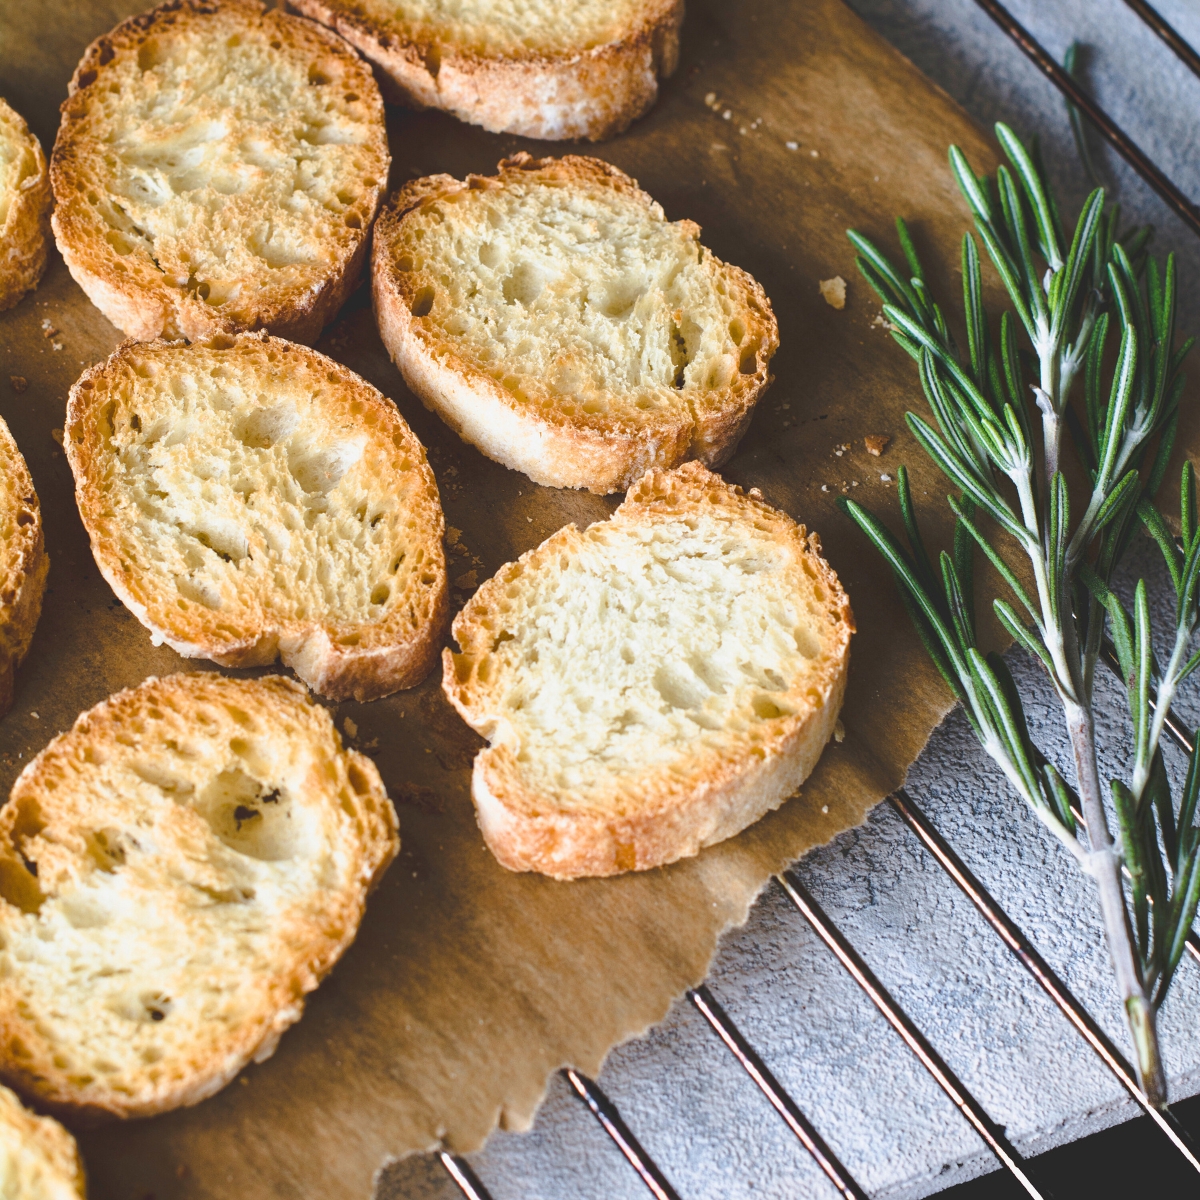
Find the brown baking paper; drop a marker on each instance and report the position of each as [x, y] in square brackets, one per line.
[786, 123]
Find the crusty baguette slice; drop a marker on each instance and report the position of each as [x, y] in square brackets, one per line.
[247, 498]
[653, 684]
[38, 1157]
[543, 69]
[554, 318]
[25, 201]
[176, 873]
[218, 168]
[24, 563]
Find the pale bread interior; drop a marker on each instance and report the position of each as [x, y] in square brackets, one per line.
[248, 497]
[38, 1158]
[177, 872]
[568, 287]
[18, 164]
[614, 667]
[511, 28]
[230, 163]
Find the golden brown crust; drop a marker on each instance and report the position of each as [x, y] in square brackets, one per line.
[25, 234]
[38, 1157]
[677, 813]
[340, 658]
[138, 765]
[138, 295]
[553, 448]
[24, 564]
[593, 92]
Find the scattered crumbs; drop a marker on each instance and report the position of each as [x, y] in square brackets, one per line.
[814, 154]
[854, 483]
[48, 330]
[710, 98]
[881, 322]
[35, 716]
[886, 478]
[418, 795]
[451, 471]
[755, 124]
[244, 1081]
[834, 291]
[876, 178]
[467, 580]
[824, 487]
[743, 130]
[56, 345]
[792, 145]
[57, 435]
[875, 443]
[785, 405]
[839, 734]
[839, 452]
[350, 727]
[452, 535]
[824, 808]
[727, 115]
[529, 519]
[18, 383]
[719, 146]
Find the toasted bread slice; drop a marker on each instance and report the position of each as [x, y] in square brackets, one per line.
[217, 168]
[24, 563]
[653, 684]
[25, 201]
[541, 69]
[38, 1157]
[554, 318]
[176, 873]
[247, 498]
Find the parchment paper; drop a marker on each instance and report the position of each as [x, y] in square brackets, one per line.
[469, 985]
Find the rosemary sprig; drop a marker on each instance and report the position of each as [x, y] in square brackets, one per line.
[1092, 310]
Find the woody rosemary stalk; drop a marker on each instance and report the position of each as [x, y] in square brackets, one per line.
[1096, 312]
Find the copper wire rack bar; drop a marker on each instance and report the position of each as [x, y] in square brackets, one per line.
[1182, 48]
[770, 1087]
[460, 1171]
[1049, 981]
[605, 1111]
[1111, 131]
[973, 1112]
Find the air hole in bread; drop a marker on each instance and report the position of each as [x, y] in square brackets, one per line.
[422, 304]
[748, 363]
[379, 593]
[317, 77]
[250, 816]
[737, 330]
[150, 54]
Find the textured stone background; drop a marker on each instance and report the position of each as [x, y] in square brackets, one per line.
[680, 1091]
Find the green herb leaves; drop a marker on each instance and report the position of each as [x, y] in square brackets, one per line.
[1095, 306]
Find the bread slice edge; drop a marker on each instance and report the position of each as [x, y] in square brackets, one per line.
[594, 94]
[26, 232]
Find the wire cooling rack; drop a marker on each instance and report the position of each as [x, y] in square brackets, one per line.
[1005, 928]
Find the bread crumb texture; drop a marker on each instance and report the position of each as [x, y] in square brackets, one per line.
[555, 318]
[25, 202]
[38, 1157]
[218, 168]
[652, 684]
[176, 873]
[24, 563]
[249, 498]
[534, 67]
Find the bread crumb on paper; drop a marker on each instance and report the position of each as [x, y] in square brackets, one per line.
[875, 443]
[57, 435]
[834, 291]
[839, 732]
[350, 727]
[467, 580]
[18, 383]
[792, 145]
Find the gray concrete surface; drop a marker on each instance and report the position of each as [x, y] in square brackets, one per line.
[680, 1091]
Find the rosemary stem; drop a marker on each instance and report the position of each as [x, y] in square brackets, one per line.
[1105, 867]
